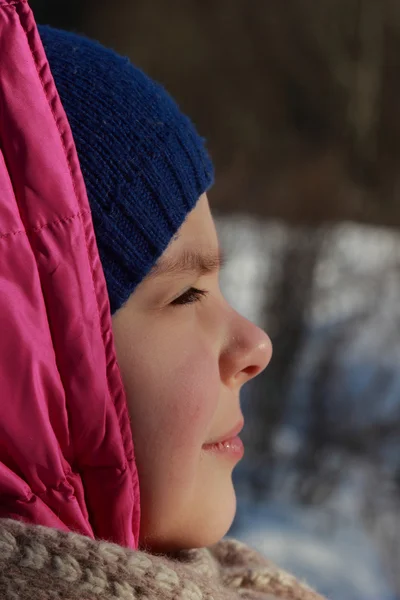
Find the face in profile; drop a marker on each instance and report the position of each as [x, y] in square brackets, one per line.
[184, 355]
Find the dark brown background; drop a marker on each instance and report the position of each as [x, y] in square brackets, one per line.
[298, 99]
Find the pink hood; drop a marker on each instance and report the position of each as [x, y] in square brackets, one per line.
[66, 453]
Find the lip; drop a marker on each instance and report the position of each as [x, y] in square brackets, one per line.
[226, 437]
[231, 449]
[228, 445]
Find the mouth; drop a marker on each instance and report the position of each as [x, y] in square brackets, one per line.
[228, 444]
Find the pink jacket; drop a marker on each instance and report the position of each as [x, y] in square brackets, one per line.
[66, 453]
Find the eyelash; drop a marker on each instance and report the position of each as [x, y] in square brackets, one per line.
[191, 296]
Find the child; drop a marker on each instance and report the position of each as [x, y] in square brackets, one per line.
[69, 480]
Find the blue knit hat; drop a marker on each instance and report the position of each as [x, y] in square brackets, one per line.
[143, 163]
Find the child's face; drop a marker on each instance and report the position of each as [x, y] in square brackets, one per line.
[184, 356]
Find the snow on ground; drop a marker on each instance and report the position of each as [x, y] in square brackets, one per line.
[340, 563]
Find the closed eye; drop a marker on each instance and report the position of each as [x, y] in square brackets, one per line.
[189, 297]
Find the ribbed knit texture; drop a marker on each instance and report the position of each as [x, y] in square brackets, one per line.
[46, 564]
[143, 163]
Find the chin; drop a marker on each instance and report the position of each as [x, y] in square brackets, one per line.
[209, 518]
[214, 518]
[216, 523]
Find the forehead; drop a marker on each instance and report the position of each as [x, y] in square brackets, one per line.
[198, 231]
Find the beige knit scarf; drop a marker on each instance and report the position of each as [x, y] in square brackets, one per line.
[46, 564]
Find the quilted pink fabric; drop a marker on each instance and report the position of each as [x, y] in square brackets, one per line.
[66, 453]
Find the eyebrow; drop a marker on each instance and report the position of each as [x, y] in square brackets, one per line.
[190, 261]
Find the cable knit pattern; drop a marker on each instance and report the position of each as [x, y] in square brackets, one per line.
[47, 564]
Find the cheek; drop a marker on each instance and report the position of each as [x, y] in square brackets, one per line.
[197, 385]
[172, 399]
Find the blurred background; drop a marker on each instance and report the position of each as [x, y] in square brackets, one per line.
[299, 102]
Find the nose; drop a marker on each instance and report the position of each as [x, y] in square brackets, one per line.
[246, 353]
